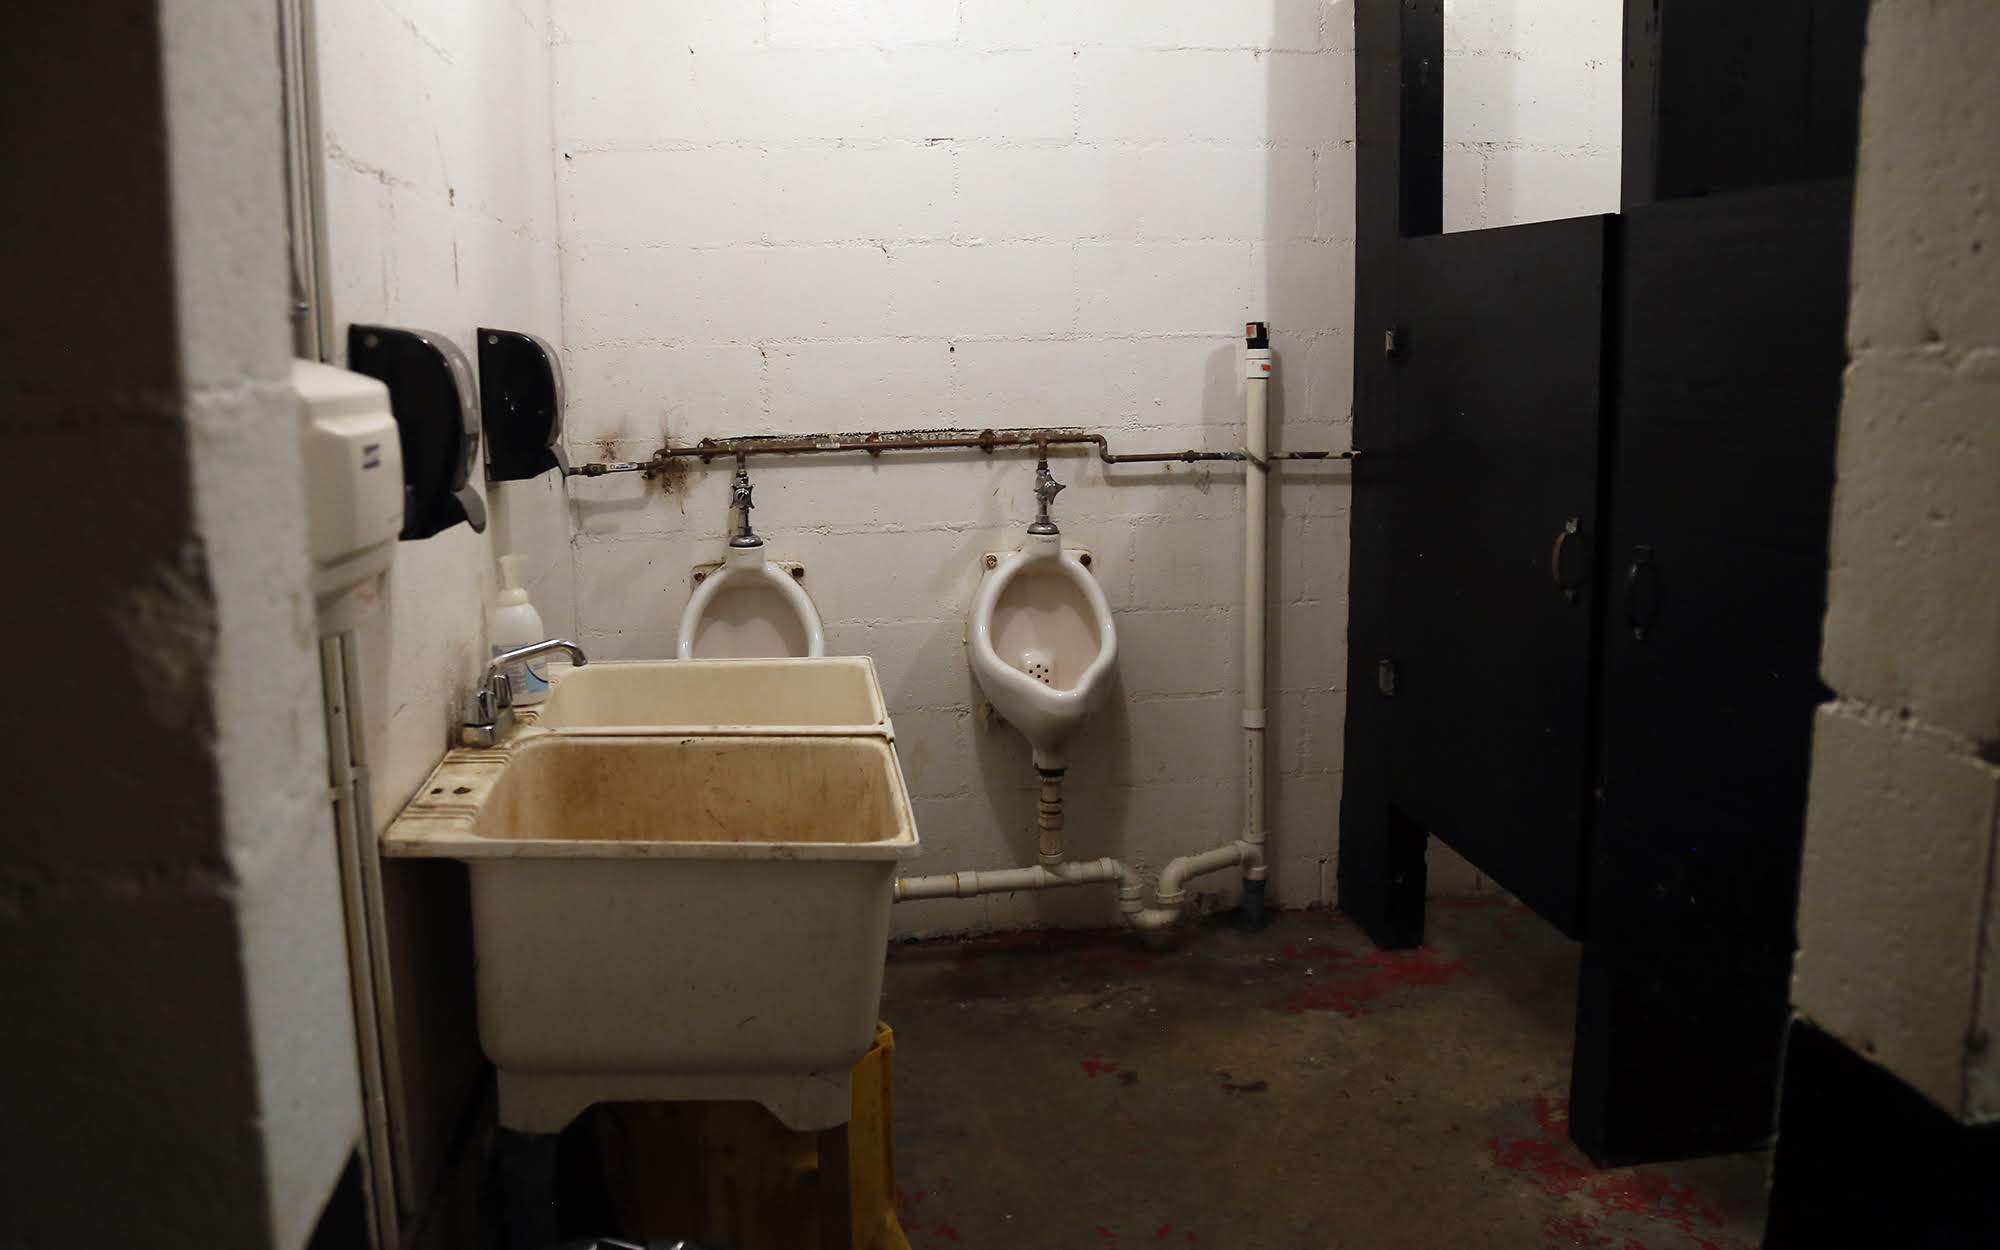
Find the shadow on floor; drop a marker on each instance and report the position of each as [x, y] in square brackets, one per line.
[1293, 1089]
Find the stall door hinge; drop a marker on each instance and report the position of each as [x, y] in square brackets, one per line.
[1385, 677]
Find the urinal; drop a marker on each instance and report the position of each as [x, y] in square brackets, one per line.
[747, 577]
[1041, 637]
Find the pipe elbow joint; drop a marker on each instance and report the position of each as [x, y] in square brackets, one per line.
[1254, 867]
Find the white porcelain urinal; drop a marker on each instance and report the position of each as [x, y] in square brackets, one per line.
[1042, 644]
[750, 607]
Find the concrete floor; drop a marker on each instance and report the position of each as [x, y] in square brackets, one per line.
[1288, 1090]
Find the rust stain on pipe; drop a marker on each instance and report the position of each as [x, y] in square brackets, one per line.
[876, 442]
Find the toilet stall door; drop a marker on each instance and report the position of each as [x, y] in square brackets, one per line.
[1493, 486]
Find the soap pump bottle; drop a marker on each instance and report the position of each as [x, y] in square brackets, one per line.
[517, 624]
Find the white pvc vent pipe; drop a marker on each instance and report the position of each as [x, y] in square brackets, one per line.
[1170, 895]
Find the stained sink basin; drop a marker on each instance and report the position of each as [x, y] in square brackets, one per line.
[672, 918]
[831, 693]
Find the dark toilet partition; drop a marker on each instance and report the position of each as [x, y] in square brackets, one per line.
[1589, 560]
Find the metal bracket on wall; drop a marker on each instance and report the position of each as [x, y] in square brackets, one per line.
[1385, 678]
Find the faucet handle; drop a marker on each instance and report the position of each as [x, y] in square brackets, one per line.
[494, 693]
[1046, 486]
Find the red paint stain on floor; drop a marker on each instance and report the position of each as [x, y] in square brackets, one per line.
[1353, 983]
[947, 1232]
[1098, 950]
[1612, 1204]
[1105, 1234]
[1094, 1068]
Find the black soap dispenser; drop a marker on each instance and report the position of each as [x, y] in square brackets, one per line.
[521, 390]
[435, 403]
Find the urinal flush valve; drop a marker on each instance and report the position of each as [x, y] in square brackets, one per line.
[739, 499]
[1046, 490]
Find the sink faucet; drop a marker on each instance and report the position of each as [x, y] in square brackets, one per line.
[490, 714]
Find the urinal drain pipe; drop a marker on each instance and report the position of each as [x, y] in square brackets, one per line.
[1049, 818]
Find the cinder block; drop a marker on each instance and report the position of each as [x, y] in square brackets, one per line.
[1186, 564]
[672, 295]
[384, 69]
[1169, 819]
[1532, 185]
[1070, 381]
[935, 572]
[1316, 381]
[1312, 650]
[773, 94]
[894, 194]
[1044, 23]
[1900, 827]
[625, 585]
[1040, 193]
[934, 746]
[1309, 97]
[1561, 98]
[1000, 288]
[1286, 24]
[1139, 288]
[1464, 186]
[622, 94]
[1180, 652]
[921, 664]
[1302, 825]
[876, 23]
[1333, 191]
[842, 291]
[703, 197]
[1447, 874]
[860, 385]
[654, 642]
[1124, 93]
[1913, 593]
[1203, 191]
[515, 277]
[1187, 382]
[626, 399]
[1303, 286]
[962, 93]
[1926, 262]
[1324, 718]
[657, 27]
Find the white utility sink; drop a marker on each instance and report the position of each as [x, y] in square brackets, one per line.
[827, 694]
[672, 917]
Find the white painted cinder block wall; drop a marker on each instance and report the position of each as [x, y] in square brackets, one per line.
[1899, 914]
[1532, 107]
[441, 216]
[803, 216]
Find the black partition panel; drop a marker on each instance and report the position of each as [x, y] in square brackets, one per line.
[1498, 364]
[1589, 542]
[1731, 320]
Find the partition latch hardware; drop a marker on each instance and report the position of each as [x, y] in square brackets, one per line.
[1385, 677]
[1392, 343]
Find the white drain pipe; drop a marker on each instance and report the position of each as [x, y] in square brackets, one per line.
[1054, 872]
[1257, 366]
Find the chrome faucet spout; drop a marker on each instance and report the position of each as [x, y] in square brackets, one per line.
[490, 713]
